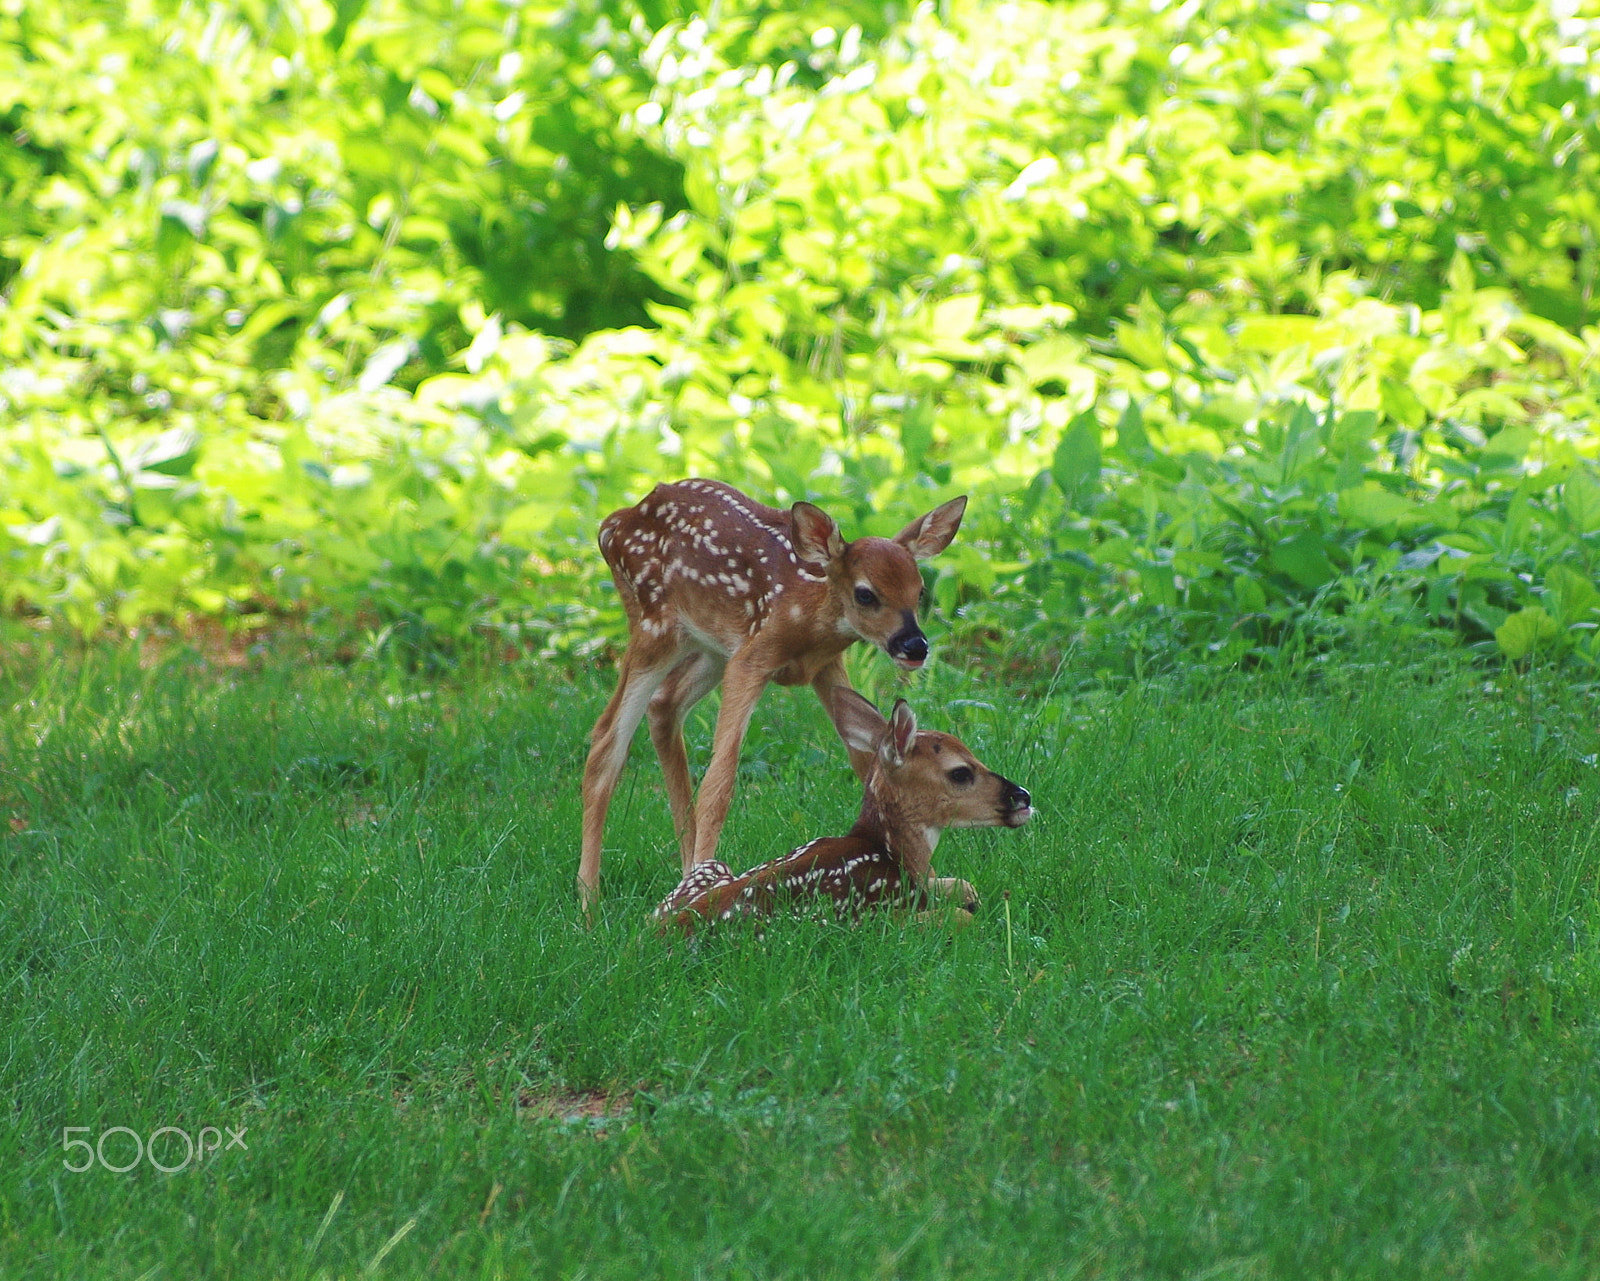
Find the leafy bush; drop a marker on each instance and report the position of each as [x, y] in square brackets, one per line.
[1245, 326]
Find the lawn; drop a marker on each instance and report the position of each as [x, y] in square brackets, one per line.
[1299, 976]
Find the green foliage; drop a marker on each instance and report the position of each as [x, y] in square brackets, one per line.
[1245, 326]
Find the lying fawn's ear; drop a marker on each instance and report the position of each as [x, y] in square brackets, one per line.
[931, 534]
[816, 536]
[858, 721]
[902, 730]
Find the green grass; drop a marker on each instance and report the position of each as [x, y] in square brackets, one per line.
[1302, 979]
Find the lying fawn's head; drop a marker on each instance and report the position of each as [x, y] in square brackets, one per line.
[875, 581]
[922, 781]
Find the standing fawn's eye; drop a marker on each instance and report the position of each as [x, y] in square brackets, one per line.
[961, 776]
[865, 598]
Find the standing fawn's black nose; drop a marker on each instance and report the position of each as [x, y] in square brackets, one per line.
[912, 646]
[1017, 798]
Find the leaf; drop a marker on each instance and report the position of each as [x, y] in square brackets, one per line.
[385, 363]
[182, 224]
[1301, 445]
[1304, 559]
[1033, 319]
[1132, 441]
[1549, 334]
[436, 84]
[1076, 467]
[1525, 631]
[173, 453]
[1420, 558]
[1052, 359]
[526, 525]
[952, 321]
[1571, 593]
[1508, 447]
[201, 158]
[916, 433]
[1401, 404]
[1248, 595]
[1372, 506]
[1354, 430]
[1272, 334]
[267, 317]
[1158, 582]
[186, 214]
[481, 42]
[1580, 500]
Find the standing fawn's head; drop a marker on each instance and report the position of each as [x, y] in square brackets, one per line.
[923, 780]
[875, 580]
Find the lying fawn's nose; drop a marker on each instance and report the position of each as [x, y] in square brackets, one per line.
[1016, 797]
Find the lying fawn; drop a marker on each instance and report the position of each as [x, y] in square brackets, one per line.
[919, 784]
[719, 588]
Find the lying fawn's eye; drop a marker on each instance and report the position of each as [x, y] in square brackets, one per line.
[961, 776]
[865, 598]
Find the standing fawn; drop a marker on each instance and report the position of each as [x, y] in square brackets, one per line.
[719, 588]
[919, 784]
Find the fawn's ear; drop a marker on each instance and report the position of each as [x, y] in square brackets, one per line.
[902, 730]
[816, 537]
[931, 534]
[857, 720]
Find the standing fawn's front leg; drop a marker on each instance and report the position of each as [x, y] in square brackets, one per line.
[827, 680]
[742, 684]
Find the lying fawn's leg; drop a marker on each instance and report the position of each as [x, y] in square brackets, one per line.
[948, 915]
[950, 889]
[690, 681]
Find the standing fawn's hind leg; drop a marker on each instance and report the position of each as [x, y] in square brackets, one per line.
[608, 751]
[690, 681]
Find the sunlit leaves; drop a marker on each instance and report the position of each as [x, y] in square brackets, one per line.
[1076, 465]
[1580, 501]
[1238, 328]
[1525, 631]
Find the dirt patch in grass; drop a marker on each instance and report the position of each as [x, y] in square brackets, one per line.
[574, 1105]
